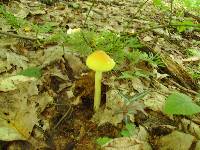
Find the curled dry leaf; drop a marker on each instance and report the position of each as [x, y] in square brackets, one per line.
[175, 141]
[15, 108]
[127, 143]
[10, 83]
[155, 101]
[17, 60]
[20, 108]
[190, 127]
[51, 55]
[77, 67]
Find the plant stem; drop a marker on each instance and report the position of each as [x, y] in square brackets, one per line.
[97, 94]
[140, 7]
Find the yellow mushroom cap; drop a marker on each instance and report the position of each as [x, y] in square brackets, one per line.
[100, 61]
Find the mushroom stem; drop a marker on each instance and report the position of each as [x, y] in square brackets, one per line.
[97, 94]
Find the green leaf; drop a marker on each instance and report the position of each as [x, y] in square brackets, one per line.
[157, 2]
[180, 104]
[103, 140]
[129, 131]
[125, 133]
[31, 72]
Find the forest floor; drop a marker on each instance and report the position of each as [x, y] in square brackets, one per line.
[149, 101]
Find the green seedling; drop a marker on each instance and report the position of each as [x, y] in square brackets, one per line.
[129, 130]
[100, 62]
[103, 140]
[131, 105]
[31, 72]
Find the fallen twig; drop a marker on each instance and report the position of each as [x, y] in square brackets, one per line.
[140, 7]
[68, 112]
[183, 88]
[18, 36]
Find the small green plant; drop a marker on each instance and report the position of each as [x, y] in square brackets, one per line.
[131, 105]
[180, 104]
[103, 140]
[82, 42]
[155, 60]
[31, 72]
[129, 130]
[185, 25]
[193, 52]
[45, 28]
[17, 22]
[112, 43]
[11, 19]
[189, 4]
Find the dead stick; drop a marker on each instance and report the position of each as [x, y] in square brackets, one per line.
[183, 88]
[17, 36]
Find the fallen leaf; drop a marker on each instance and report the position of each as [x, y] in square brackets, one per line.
[77, 67]
[147, 38]
[10, 83]
[155, 101]
[16, 108]
[126, 143]
[175, 141]
[180, 104]
[9, 132]
[18, 60]
[51, 55]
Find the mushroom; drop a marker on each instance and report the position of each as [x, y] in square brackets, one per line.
[100, 62]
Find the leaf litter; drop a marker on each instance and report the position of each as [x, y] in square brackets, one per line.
[56, 110]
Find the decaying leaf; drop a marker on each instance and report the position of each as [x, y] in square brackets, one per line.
[77, 67]
[175, 141]
[4, 66]
[127, 143]
[51, 55]
[190, 127]
[9, 132]
[57, 73]
[20, 106]
[16, 109]
[155, 101]
[179, 72]
[118, 107]
[18, 60]
[137, 84]
[10, 83]
[18, 9]
[104, 116]
[5, 42]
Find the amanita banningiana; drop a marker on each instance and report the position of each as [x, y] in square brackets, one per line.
[100, 62]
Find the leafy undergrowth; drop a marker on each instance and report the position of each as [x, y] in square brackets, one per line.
[149, 101]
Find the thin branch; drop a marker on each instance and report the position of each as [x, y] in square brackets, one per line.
[84, 24]
[88, 13]
[171, 14]
[17, 36]
[68, 113]
[140, 7]
[183, 88]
